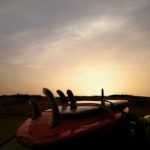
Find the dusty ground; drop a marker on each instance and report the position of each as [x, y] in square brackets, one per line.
[14, 110]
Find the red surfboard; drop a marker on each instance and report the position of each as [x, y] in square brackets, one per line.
[68, 121]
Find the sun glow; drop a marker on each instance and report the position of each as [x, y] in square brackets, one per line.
[89, 81]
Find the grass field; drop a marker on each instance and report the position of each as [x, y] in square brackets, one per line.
[15, 109]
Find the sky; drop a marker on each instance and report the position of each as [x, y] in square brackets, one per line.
[82, 45]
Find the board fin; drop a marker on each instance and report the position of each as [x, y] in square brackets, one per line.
[63, 99]
[55, 109]
[62, 96]
[35, 108]
[102, 97]
[72, 99]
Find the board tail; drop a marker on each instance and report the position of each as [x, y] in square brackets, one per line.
[35, 108]
[55, 109]
[72, 99]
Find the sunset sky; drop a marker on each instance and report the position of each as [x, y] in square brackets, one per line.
[82, 45]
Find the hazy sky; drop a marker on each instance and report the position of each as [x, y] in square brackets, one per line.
[83, 45]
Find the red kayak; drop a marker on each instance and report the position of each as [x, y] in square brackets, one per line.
[69, 120]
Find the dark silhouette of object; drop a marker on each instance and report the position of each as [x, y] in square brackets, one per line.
[55, 110]
[63, 99]
[72, 100]
[62, 96]
[145, 130]
[35, 108]
[102, 97]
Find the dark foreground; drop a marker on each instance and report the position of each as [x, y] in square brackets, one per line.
[126, 135]
[14, 110]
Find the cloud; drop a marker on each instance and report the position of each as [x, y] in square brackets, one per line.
[70, 36]
[29, 26]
